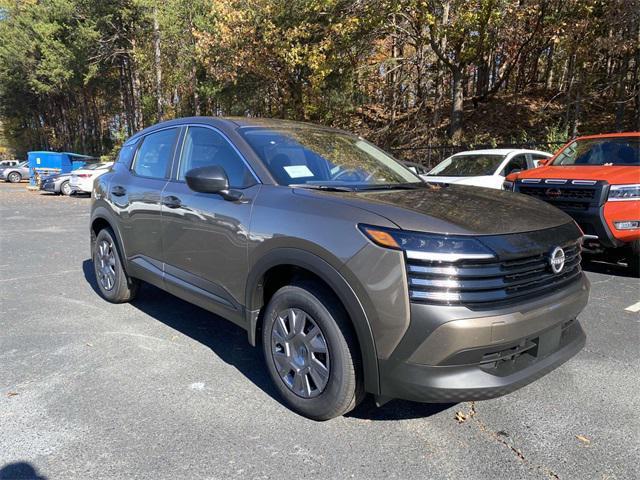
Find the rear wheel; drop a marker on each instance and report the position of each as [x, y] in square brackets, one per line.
[14, 177]
[113, 283]
[311, 352]
[65, 188]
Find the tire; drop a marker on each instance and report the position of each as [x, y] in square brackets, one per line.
[14, 177]
[65, 188]
[114, 284]
[312, 307]
[634, 258]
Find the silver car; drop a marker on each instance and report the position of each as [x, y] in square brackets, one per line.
[58, 183]
[16, 173]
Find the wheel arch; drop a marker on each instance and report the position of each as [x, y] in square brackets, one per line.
[283, 261]
[101, 218]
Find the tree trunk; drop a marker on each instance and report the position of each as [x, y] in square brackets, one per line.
[438, 94]
[457, 110]
[620, 93]
[548, 72]
[157, 59]
[194, 86]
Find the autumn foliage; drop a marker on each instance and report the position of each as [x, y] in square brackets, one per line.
[83, 74]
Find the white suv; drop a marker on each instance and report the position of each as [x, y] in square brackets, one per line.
[484, 168]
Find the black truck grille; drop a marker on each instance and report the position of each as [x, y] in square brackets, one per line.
[567, 195]
[472, 282]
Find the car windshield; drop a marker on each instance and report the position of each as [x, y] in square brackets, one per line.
[313, 156]
[601, 151]
[468, 165]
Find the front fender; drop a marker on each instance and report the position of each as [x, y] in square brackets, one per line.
[340, 286]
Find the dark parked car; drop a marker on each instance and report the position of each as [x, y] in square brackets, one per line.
[354, 274]
[16, 173]
[58, 183]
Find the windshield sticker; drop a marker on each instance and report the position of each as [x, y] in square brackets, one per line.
[298, 171]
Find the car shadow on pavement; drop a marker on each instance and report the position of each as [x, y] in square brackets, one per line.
[20, 471]
[396, 410]
[230, 343]
[227, 340]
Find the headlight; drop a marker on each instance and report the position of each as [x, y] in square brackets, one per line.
[622, 193]
[507, 185]
[428, 247]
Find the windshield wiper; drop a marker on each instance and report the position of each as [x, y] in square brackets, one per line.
[327, 188]
[392, 186]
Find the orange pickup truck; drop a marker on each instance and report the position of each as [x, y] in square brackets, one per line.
[596, 180]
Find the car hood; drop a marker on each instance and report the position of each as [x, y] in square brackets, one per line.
[613, 174]
[453, 209]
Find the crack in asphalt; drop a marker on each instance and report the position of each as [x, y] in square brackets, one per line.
[498, 436]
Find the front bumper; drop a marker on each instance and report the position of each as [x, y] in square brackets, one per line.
[81, 187]
[592, 222]
[48, 187]
[452, 354]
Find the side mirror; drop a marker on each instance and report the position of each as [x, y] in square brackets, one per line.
[543, 162]
[207, 179]
[211, 179]
[515, 170]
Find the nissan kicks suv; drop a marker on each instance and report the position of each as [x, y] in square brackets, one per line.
[353, 274]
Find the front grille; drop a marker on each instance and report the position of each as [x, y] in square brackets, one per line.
[548, 193]
[571, 196]
[473, 282]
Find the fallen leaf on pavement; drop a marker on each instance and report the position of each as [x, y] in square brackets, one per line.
[583, 439]
[12, 394]
[460, 417]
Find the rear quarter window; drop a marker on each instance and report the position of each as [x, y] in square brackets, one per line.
[126, 153]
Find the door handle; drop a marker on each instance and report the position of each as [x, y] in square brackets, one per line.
[118, 191]
[171, 201]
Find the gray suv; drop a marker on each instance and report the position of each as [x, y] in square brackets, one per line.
[16, 173]
[353, 274]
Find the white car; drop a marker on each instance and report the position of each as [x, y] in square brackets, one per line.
[81, 180]
[484, 168]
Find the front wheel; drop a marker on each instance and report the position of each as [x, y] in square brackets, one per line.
[114, 284]
[65, 188]
[14, 177]
[311, 352]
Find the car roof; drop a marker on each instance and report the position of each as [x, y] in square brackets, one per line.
[607, 135]
[499, 151]
[233, 123]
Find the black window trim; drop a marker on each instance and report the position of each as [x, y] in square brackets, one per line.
[141, 140]
[178, 154]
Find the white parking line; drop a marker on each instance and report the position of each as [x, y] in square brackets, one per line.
[633, 308]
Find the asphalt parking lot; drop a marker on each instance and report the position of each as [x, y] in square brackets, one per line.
[164, 390]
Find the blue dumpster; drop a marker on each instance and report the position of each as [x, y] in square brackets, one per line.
[43, 164]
